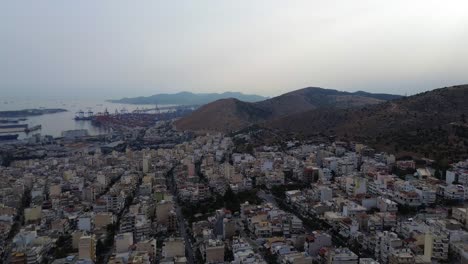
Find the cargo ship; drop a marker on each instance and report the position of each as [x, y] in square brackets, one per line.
[9, 121]
[8, 137]
[81, 115]
[13, 128]
[12, 121]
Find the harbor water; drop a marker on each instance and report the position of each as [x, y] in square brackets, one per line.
[54, 124]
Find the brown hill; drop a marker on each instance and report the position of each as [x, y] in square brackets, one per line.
[430, 123]
[312, 98]
[429, 109]
[230, 115]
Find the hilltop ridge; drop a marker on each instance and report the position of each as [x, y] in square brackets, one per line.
[222, 116]
[432, 124]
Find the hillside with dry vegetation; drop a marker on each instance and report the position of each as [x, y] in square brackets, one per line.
[230, 114]
[432, 124]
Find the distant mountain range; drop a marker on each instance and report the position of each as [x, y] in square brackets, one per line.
[432, 124]
[188, 98]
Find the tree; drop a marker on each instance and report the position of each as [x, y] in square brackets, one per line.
[228, 255]
[100, 247]
[442, 164]
[111, 229]
[199, 257]
[231, 201]
[63, 246]
[279, 191]
[250, 149]
[406, 209]
[333, 176]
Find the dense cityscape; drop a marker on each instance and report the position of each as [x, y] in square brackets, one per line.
[220, 198]
[234, 132]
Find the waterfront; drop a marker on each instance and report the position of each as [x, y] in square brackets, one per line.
[54, 124]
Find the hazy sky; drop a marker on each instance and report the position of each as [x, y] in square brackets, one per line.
[130, 48]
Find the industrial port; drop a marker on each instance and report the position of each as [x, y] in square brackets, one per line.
[116, 119]
[137, 118]
[5, 130]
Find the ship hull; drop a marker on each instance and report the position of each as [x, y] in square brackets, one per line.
[13, 128]
[8, 137]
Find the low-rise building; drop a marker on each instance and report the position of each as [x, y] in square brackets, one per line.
[173, 247]
[87, 248]
[213, 251]
[123, 242]
[341, 256]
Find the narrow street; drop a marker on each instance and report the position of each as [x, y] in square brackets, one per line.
[19, 219]
[109, 250]
[182, 229]
[180, 218]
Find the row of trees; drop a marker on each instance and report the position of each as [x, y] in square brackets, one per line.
[230, 200]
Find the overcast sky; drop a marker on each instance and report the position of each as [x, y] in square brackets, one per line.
[130, 48]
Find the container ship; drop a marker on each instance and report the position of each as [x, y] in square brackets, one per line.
[81, 115]
[13, 128]
[8, 137]
[9, 121]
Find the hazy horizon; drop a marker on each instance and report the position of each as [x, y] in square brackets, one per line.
[114, 49]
